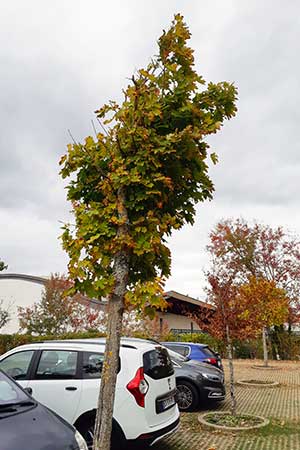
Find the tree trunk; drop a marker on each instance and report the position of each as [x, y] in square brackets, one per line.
[231, 372]
[103, 424]
[265, 348]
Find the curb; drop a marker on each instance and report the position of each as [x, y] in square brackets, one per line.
[265, 368]
[269, 384]
[202, 421]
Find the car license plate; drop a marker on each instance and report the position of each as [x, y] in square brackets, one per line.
[168, 402]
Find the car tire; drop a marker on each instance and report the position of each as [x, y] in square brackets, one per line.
[118, 441]
[187, 396]
[87, 430]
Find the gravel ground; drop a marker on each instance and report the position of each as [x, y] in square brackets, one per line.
[280, 404]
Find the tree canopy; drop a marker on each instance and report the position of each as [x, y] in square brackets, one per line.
[262, 252]
[153, 145]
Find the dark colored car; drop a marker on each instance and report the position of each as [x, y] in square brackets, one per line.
[196, 382]
[197, 352]
[26, 424]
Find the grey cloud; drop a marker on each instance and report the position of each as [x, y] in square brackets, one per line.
[63, 59]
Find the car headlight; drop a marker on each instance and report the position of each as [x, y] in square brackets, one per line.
[80, 441]
[211, 377]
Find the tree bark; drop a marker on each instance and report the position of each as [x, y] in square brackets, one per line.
[265, 348]
[104, 416]
[231, 372]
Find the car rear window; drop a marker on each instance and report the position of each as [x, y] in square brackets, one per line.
[181, 349]
[157, 363]
[208, 352]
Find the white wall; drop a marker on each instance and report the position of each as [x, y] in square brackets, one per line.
[16, 293]
[176, 321]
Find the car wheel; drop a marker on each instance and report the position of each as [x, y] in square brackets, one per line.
[118, 440]
[117, 437]
[87, 432]
[187, 396]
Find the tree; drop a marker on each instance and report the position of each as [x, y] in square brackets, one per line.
[134, 183]
[56, 313]
[262, 252]
[264, 304]
[4, 312]
[3, 266]
[5, 315]
[259, 251]
[227, 320]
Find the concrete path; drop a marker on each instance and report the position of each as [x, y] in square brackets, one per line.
[280, 404]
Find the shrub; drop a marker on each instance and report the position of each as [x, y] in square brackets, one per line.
[9, 341]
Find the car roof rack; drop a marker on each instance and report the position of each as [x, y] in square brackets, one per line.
[74, 341]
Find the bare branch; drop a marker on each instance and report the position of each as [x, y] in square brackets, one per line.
[69, 131]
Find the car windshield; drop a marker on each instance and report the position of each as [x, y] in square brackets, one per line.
[177, 358]
[10, 393]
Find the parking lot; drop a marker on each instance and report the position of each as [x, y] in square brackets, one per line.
[280, 404]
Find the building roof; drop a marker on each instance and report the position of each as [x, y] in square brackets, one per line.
[173, 295]
[21, 276]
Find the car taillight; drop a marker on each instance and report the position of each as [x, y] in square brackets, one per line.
[138, 387]
[211, 360]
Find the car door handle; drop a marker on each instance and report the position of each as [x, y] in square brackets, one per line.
[71, 388]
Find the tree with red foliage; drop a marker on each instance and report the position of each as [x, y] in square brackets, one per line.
[262, 252]
[240, 310]
[57, 313]
[226, 321]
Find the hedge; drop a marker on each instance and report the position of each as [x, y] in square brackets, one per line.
[9, 341]
[286, 345]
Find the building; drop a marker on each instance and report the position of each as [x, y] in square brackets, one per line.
[179, 312]
[20, 290]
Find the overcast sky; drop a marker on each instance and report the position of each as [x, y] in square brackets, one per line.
[63, 59]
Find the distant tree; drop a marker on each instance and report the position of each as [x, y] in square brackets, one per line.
[262, 252]
[264, 305]
[259, 251]
[240, 311]
[5, 315]
[3, 266]
[57, 313]
[139, 325]
[132, 185]
[227, 321]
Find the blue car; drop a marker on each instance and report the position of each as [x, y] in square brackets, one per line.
[198, 352]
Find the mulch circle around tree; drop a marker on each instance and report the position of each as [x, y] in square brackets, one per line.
[224, 420]
[257, 366]
[258, 383]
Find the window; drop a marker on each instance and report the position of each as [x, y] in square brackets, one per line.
[157, 363]
[181, 349]
[186, 350]
[10, 392]
[57, 365]
[208, 352]
[17, 365]
[92, 365]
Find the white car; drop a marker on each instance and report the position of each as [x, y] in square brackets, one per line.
[65, 376]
